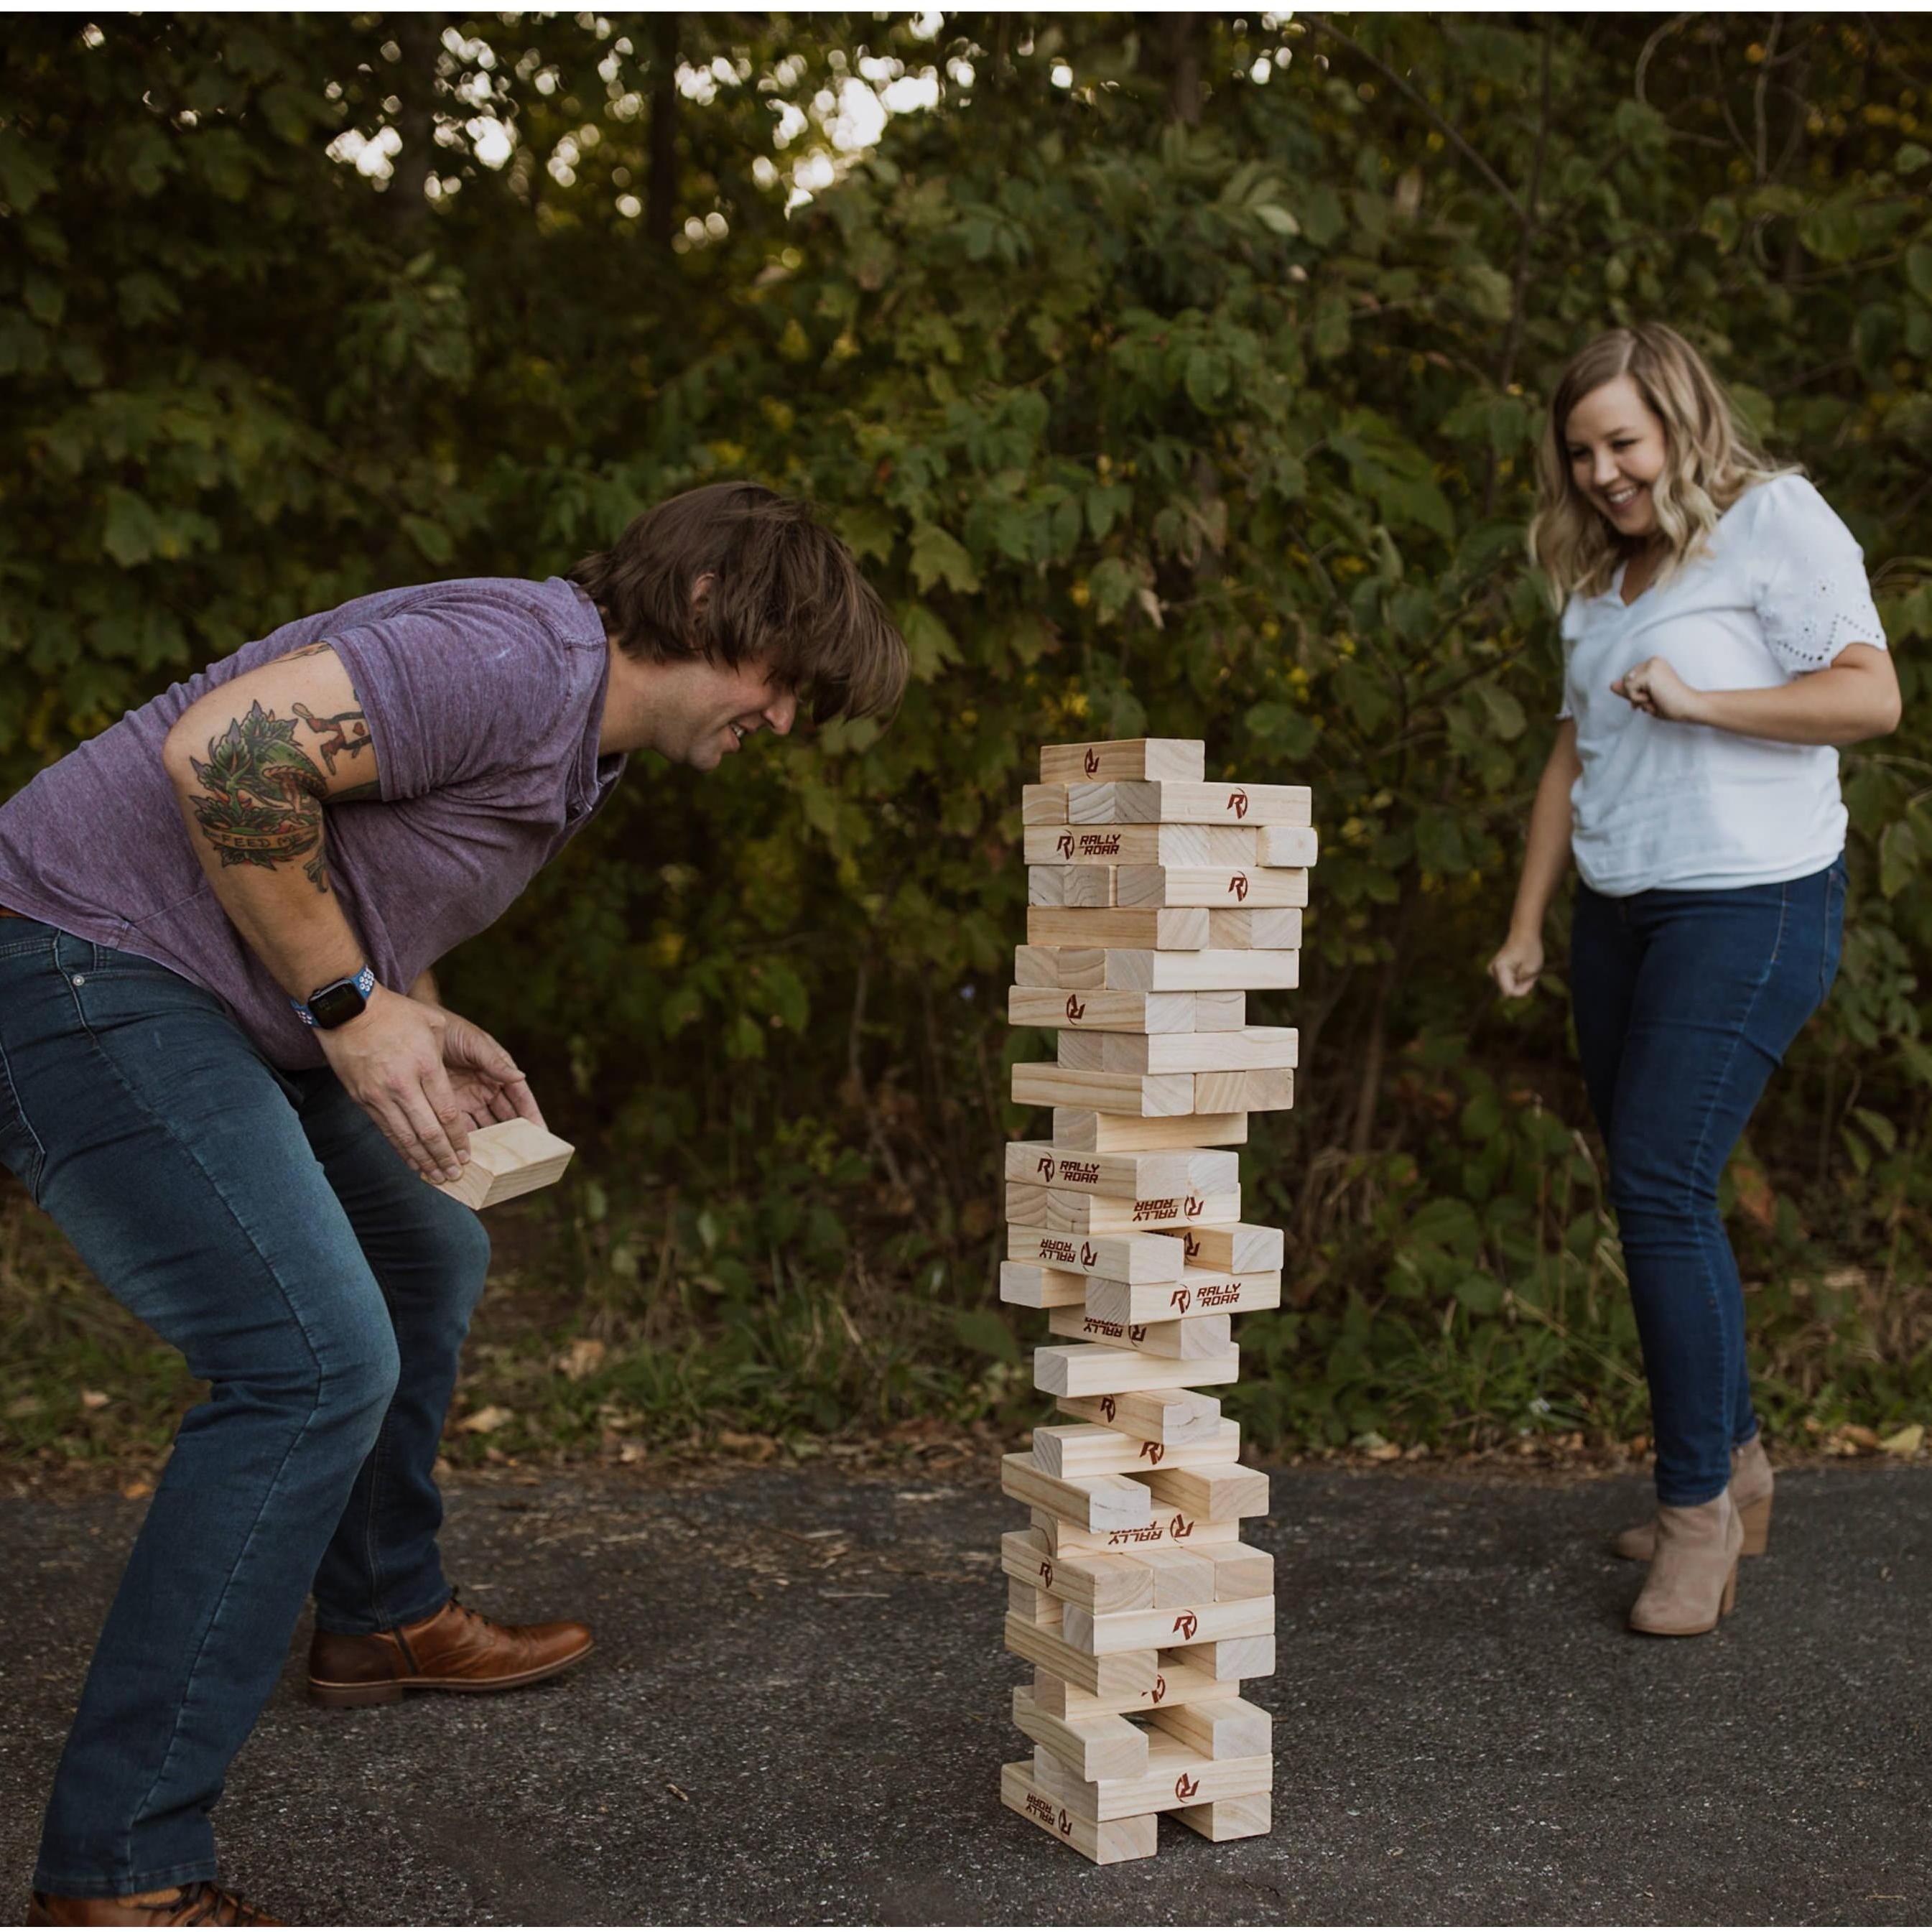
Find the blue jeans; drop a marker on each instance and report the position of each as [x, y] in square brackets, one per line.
[257, 1221]
[1685, 1001]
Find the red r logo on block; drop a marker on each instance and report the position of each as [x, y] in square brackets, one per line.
[1046, 1575]
[1064, 844]
[1160, 1689]
[1153, 1451]
[1089, 1254]
[1182, 1298]
[1237, 803]
[1092, 761]
[1180, 1527]
[1193, 1244]
[1238, 886]
[1195, 1205]
[1185, 1787]
[1046, 1166]
[1187, 1624]
[1065, 1823]
[1076, 1008]
[1107, 1407]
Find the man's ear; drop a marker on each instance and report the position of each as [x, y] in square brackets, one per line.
[700, 591]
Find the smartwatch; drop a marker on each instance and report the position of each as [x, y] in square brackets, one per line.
[337, 1003]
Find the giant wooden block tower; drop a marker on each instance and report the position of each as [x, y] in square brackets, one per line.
[1157, 902]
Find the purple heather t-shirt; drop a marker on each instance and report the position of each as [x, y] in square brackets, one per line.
[483, 696]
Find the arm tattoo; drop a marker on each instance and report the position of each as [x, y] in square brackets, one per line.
[347, 732]
[263, 805]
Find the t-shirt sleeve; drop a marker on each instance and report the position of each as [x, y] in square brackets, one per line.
[1814, 598]
[461, 691]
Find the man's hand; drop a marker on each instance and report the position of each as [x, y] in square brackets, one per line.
[389, 1059]
[1655, 687]
[487, 1082]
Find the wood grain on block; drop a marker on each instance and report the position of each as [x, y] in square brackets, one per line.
[1177, 1531]
[1077, 1052]
[1182, 759]
[1117, 1841]
[1211, 886]
[1094, 1502]
[1095, 1579]
[1170, 1417]
[1182, 1575]
[1026, 1285]
[1103, 1012]
[1261, 929]
[1198, 1291]
[1241, 1571]
[1115, 1257]
[1153, 802]
[1030, 1601]
[1226, 1819]
[1091, 1747]
[1041, 1083]
[1113, 1631]
[1068, 1210]
[1092, 1449]
[1293, 845]
[1224, 1727]
[1080, 1369]
[1216, 1494]
[1178, 1684]
[1175, 1776]
[508, 1158]
[1134, 1176]
[1071, 968]
[1244, 1247]
[1043, 805]
[1209, 1336]
[1251, 1047]
[1070, 885]
[1128, 1674]
[1266, 1090]
[1078, 1129]
[1230, 1660]
[1164, 929]
[1128, 969]
[1143, 845]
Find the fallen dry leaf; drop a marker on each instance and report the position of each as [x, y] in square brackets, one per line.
[1906, 1441]
[92, 1399]
[1859, 1436]
[584, 1357]
[135, 1491]
[485, 1420]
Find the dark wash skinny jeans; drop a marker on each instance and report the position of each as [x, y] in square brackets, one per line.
[1685, 1002]
[258, 1222]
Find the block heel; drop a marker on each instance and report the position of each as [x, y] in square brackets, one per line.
[1757, 1525]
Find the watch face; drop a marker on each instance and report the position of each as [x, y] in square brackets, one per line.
[335, 1004]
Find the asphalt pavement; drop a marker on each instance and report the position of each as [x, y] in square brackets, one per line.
[798, 1708]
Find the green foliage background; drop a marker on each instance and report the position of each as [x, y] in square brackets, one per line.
[1162, 390]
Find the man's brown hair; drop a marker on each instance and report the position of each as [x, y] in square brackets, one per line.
[783, 590]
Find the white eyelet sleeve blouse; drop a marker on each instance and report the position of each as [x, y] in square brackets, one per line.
[1780, 591]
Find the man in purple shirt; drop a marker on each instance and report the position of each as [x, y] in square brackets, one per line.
[225, 1073]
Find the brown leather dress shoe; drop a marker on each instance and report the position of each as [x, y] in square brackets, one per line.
[202, 1904]
[453, 1649]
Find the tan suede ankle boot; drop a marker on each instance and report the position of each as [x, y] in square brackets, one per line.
[1751, 1486]
[1694, 1577]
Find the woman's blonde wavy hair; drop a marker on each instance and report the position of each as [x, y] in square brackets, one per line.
[1710, 460]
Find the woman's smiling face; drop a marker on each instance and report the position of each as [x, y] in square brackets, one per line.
[1616, 450]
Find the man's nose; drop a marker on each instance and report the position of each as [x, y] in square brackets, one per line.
[781, 712]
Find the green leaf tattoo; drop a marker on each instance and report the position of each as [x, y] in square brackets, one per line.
[264, 806]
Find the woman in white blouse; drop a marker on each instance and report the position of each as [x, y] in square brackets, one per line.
[1719, 643]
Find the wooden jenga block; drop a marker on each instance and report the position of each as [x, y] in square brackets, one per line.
[1240, 1571]
[1110, 1633]
[1174, 1776]
[1211, 886]
[1206, 1337]
[1127, 1673]
[1077, 1052]
[1025, 1285]
[1230, 1660]
[1175, 1532]
[1036, 1605]
[1094, 1579]
[1087, 1130]
[1113, 1257]
[1071, 968]
[1250, 1048]
[1227, 1819]
[1043, 805]
[1094, 1748]
[1079, 1369]
[1068, 1210]
[1198, 1291]
[1182, 1575]
[1113, 1843]
[1199, 1171]
[1070, 885]
[1092, 1449]
[1214, 1493]
[1163, 929]
[1182, 759]
[1094, 1502]
[1171, 1417]
[1286, 845]
[1261, 929]
[1242, 1247]
[1176, 1685]
[1128, 969]
[1222, 1727]
[1143, 802]
[1115, 1012]
[1143, 1096]
[1143, 845]
[1259, 1091]
[508, 1158]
